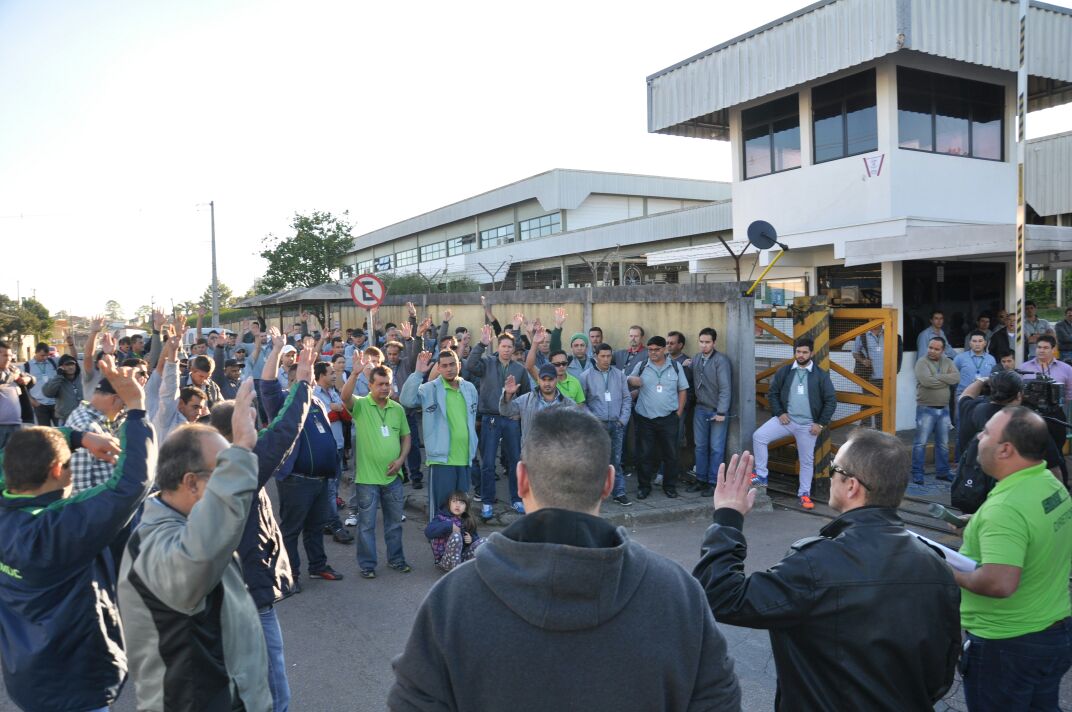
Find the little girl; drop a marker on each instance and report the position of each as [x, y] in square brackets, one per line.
[452, 533]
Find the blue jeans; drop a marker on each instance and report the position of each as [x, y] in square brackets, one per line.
[931, 419]
[413, 460]
[1021, 673]
[303, 508]
[492, 429]
[369, 499]
[616, 431]
[710, 438]
[277, 666]
[333, 497]
[444, 479]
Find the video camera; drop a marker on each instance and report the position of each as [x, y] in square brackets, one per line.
[1043, 394]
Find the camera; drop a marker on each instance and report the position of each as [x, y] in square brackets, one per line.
[1043, 395]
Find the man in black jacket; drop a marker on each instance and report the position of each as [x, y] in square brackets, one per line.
[586, 619]
[864, 616]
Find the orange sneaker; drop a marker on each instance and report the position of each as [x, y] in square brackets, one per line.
[806, 503]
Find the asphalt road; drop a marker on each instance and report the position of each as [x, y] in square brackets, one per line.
[340, 636]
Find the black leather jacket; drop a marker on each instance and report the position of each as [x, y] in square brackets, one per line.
[863, 617]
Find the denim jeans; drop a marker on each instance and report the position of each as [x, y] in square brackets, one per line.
[931, 419]
[303, 508]
[710, 439]
[616, 431]
[1021, 673]
[413, 460]
[333, 498]
[442, 480]
[370, 498]
[492, 429]
[277, 665]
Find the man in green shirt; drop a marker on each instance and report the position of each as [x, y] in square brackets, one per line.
[382, 444]
[1015, 605]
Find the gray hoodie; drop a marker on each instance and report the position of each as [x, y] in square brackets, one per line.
[574, 610]
[490, 372]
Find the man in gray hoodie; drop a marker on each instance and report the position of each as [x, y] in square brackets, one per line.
[561, 590]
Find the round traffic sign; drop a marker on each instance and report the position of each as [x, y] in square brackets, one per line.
[367, 291]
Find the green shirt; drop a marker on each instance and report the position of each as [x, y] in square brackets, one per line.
[458, 424]
[571, 388]
[375, 451]
[1024, 522]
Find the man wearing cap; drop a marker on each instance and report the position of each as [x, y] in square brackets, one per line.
[663, 388]
[101, 414]
[527, 405]
[579, 359]
[286, 360]
[355, 345]
[228, 378]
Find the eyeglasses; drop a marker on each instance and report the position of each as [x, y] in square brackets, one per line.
[559, 364]
[839, 470]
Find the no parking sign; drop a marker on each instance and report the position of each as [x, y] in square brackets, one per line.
[368, 291]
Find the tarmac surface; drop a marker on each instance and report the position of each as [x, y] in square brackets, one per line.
[341, 636]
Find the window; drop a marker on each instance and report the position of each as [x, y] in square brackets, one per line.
[771, 137]
[364, 267]
[383, 263]
[844, 117]
[347, 272]
[958, 117]
[497, 236]
[459, 245]
[540, 227]
[433, 252]
[406, 258]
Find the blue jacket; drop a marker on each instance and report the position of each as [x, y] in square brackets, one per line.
[316, 454]
[265, 565]
[431, 398]
[60, 637]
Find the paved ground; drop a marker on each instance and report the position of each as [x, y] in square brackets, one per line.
[341, 636]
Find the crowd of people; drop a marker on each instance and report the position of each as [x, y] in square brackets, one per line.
[152, 456]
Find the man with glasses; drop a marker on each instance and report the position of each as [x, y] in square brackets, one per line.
[568, 384]
[863, 616]
[660, 404]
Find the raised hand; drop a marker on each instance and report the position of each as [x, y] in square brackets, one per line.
[424, 362]
[411, 310]
[103, 447]
[510, 387]
[424, 326]
[244, 417]
[158, 320]
[539, 336]
[406, 330]
[108, 343]
[519, 319]
[448, 315]
[734, 489]
[124, 382]
[97, 324]
[306, 359]
[560, 317]
[171, 344]
[485, 334]
[180, 322]
[483, 301]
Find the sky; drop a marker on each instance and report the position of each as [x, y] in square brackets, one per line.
[122, 120]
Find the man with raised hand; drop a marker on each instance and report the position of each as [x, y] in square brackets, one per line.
[178, 406]
[61, 641]
[592, 620]
[527, 405]
[196, 641]
[861, 617]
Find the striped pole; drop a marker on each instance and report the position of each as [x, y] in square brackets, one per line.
[1021, 205]
[811, 319]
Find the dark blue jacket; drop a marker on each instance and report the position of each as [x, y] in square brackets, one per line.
[60, 637]
[316, 454]
[265, 565]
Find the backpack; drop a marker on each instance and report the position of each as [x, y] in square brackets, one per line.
[971, 485]
[677, 367]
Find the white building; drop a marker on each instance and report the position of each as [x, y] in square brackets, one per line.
[552, 230]
[879, 138]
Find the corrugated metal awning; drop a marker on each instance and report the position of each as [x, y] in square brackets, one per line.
[963, 241]
[1049, 178]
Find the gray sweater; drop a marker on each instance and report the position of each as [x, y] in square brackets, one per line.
[490, 373]
[712, 382]
[563, 591]
[528, 405]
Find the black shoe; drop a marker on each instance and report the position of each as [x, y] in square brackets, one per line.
[706, 491]
[670, 492]
[696, 487]
[418, 485]
[643, 493]
[328, 530]
[342, 536]
[623, 500]
[328, 574]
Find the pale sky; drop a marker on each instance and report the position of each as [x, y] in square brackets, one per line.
[119, 118]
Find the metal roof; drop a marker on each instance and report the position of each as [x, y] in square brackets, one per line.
[558, 189]
[1049, 177]
[691, 98]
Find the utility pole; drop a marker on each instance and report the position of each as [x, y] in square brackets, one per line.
[1021, 204]
[215, 283]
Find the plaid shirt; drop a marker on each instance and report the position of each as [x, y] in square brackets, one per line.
[86, 470]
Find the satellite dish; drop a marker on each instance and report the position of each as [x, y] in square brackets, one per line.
[762, 235]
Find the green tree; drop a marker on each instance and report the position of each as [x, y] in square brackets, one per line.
[311, 256]
[31, 318]
[143, 314]
[226, 297]
[113, 311]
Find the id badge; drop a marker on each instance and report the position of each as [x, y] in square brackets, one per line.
[606, 396]
[320, 427]
[800, 389]
[385, 431]
[658, 388]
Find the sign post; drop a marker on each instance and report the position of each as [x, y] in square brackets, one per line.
[1021, 206]
[368, 291]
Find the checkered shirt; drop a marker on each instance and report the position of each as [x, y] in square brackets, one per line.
[86, 470]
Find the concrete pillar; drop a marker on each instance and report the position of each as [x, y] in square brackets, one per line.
[738, 342]
[565, 273]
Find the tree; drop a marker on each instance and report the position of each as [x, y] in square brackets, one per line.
[143, 314]
[310, 256]
[226, 297]
[31, 318]
[113, 311]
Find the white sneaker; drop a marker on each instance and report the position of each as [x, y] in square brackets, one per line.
[351, 521]
[658, 479]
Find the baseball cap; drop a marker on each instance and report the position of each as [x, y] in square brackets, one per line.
[289, 348]
[548, 371]
[105, 387]
[230, 363]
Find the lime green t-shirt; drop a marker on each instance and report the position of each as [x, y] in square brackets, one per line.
[571, 388]
[374, 451]
[1026, 521]
[458, 422]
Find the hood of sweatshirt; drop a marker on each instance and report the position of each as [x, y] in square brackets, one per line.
[561, 570]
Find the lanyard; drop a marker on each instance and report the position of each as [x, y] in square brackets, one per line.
[802, 376]
[382, 412]
[659, 374]
[978, 361]
[606, 380]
